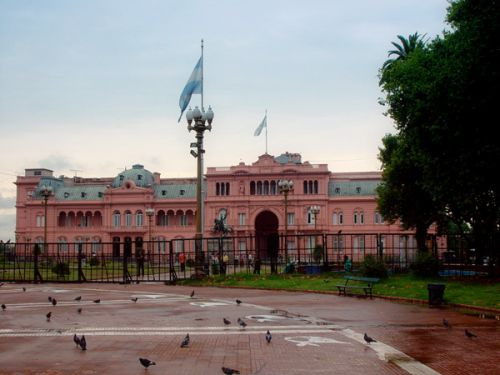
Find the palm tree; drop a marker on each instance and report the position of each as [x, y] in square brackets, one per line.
[404, 49]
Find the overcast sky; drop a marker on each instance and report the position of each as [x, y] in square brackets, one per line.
[94, 85]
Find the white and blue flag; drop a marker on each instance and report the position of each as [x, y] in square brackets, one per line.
[261, 126]
[194, 85]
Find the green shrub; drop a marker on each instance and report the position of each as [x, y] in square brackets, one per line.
[215, 268]
[94, 261]
[61, 269]
[426, 265]
[190, 263]
[318, 253]
[372, 267]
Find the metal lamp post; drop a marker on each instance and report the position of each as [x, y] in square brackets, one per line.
[285, 187]
[150, 212]
[315, 211]
[200, 118]
[46, 192]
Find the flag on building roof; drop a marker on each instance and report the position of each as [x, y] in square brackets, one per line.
[261, 126]
[194, 85]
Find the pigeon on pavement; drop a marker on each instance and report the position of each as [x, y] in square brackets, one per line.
[134, 299]
[185, 341]
[50, 299]
[49, 314]
[24, 289]
[368, 339]
[146, 362]
[226, 322]
[469, 334]
[83, 343]
[229, 371]
[76, 340]
[79, 310]
[268, 337]
[241, 323]
[3, 307]
[446, 323]
[79, 298]
[192, 294]
[97, 301]
[238, 302]
[54, 302]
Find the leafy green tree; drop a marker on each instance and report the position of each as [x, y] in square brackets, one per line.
[443, 97]
[401, 195]
[404, 49]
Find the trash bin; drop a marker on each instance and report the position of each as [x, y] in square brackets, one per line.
[436, 292]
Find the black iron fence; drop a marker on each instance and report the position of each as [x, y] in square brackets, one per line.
[169, 260]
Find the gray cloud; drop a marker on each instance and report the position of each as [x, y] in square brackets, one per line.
[7, 202]
[58, 163]
[7, 226]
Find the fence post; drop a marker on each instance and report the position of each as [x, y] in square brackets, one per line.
[37, 277]
[325, 250]
[126, 276]
[81, 275]
[172, 274]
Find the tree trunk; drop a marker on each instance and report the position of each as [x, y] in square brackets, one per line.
[421, 236]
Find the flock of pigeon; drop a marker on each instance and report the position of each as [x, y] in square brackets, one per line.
[82, 343]
[185, 343]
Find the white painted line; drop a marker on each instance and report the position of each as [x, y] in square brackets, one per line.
[159, 333]
[389, 354]
[166, 329]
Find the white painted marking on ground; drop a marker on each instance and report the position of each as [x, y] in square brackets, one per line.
[158, 333]
[313, 340]
[208, 304]
[389, 354]
[265, 318]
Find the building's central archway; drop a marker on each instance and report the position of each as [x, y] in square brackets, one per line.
[266, 223]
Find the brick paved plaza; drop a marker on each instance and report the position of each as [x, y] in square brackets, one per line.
[312, 333]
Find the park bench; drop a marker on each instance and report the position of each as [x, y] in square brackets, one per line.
[367, 285]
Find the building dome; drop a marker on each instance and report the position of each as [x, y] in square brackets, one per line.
[140, 176]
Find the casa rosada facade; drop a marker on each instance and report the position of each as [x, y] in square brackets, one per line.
[138, 205]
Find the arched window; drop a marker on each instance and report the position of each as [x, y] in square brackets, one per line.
[128, 218]
[227, 188]
[62, 244]
[139, 219]
[335, 218]
[96, 245]
[316, 187]
[116, 219]
[341, 218]
[171, 217]
[161, 218]
[161, 245]
[310, 187]
[61, 221]
[70, 219]
[259, 187]
[266, 188]
[273, 188]
[217, 188]
[87, 220]
[305, 187]
[97, 220]
[252, 187]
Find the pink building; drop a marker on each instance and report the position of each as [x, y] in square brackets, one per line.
[138, 205]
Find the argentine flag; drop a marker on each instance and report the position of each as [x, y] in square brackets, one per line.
[194, 85]
[261, 126]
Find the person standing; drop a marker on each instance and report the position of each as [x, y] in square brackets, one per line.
[182, 261]
[139, 258]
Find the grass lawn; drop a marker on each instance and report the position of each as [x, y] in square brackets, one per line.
[476, 293]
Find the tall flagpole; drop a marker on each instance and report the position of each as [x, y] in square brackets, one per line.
[202, 204]
[266, 131]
